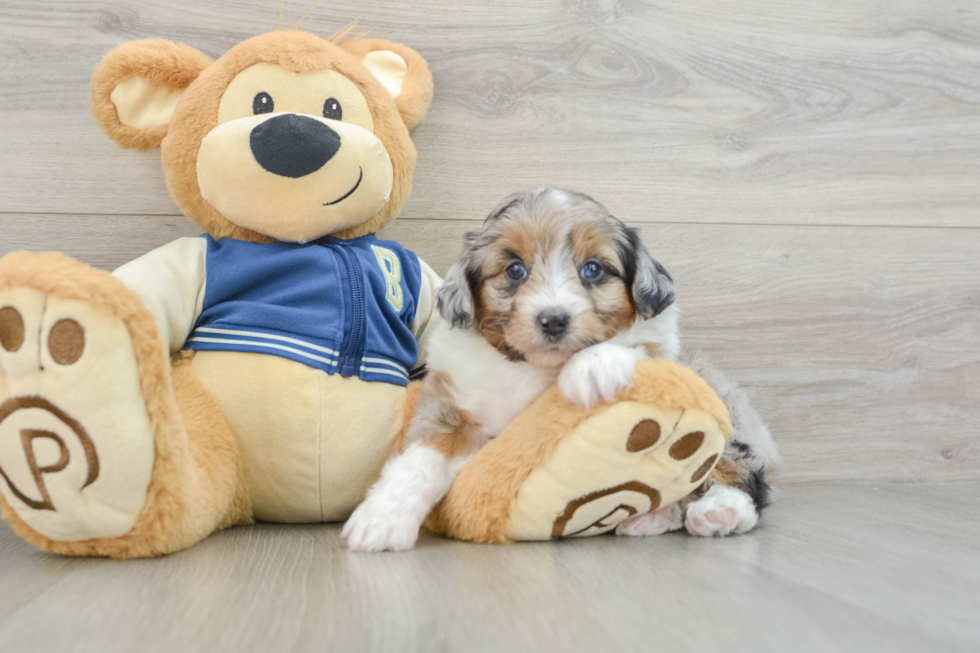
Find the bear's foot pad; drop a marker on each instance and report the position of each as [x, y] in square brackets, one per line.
[628, 460]
[76, 443]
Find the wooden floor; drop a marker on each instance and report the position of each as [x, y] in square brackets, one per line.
[809, 172]
[890, 567]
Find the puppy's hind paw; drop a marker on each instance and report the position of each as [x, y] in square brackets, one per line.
[723, 510]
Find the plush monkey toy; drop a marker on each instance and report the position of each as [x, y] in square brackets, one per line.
[261, 370]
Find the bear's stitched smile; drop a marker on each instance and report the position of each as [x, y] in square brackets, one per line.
[360, 176]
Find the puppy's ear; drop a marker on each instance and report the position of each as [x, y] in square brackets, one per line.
[401, 70]
[136, 87]
[653, 289]
[455, 298]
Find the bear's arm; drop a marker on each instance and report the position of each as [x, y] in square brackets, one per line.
[170, 281]
[426, 314]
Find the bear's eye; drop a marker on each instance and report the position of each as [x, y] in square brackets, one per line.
[262, 103]
[332, 110]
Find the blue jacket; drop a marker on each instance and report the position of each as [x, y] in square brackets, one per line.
[341, 306]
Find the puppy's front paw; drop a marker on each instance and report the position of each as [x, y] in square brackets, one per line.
[375, 527]
[598, 372]
[721, 511]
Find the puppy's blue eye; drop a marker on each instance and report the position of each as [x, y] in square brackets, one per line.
[590, 271]
[516, 271]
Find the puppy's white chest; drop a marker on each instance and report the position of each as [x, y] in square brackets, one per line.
[490, 388]
[496, 407]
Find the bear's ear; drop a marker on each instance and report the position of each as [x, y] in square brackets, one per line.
[136, 87]
[401, 70]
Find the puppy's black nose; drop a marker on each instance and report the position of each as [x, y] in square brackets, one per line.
[291, 145]
[553, 324]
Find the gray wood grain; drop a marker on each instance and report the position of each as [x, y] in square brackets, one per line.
[750, 111]
[846, 568]
[860, 345]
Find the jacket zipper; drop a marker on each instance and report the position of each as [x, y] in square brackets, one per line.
[351, 354]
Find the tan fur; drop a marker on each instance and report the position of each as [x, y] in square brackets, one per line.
[454, 443]
[478, 505]
[194, 489]
[416, 93]
[437, 423]
[163, 63]
[733, 473]
[592, 240]
[611, 301]
[615, 310]
[725, 472]
[491, 316]
[412, 393]
[197, 111]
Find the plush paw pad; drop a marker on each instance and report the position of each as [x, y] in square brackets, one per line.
[76, 446]
[12, 331]
[721, 511]
[621, 463]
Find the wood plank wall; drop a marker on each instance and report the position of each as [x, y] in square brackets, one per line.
[808, 172]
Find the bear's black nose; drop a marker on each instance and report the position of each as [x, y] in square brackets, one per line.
[291, 145]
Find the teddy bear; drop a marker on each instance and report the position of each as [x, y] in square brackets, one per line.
[263, 371]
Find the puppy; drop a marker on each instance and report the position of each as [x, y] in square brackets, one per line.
[551, 289]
